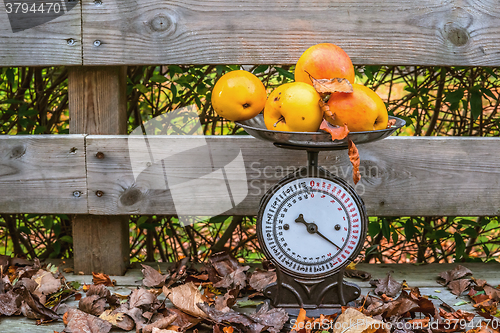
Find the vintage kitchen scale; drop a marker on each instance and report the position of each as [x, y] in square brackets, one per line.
[311, 224]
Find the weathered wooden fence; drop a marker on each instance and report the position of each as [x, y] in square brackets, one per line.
[91, 175]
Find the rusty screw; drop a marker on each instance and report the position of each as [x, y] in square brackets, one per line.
[99, 155]
[99, 193]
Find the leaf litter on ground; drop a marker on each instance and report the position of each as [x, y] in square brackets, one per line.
[210, 295]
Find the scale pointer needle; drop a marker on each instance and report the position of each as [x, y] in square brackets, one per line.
[312, 228]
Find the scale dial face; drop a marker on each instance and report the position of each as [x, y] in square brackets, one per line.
[311, 225]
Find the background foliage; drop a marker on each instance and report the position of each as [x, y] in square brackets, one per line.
[433, 100]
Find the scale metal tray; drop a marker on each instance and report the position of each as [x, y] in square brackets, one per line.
[313, 140]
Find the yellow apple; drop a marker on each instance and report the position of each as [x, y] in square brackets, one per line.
[238, 95]
[293, 107]
[361, 110]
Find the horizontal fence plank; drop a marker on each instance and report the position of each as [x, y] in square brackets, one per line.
[401, 176]
[43, 174]
[36, 38]
[400, 32]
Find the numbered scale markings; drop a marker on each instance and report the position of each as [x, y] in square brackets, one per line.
[312, 225]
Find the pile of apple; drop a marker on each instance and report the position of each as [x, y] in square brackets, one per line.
[323, 94]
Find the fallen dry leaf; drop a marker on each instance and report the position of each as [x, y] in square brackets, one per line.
[223, 263]
[81, 322]
[261, 279]
[327, 112]
[459, 314]
[387, 286]
[9, 303]
[32, 305]
[455, 274]
[493, 293]
[354, 321]
[354, 158]
[330, 86]
[93, 305]
[356, 273]
[118, 318]
[183, 321]
[336, 132]
[272, 320]
[143, 299]
[152, 278]
[457, 287]
[161, 323]
[159, 330]
[101, 278]
[186, 297]
[46, 283]
[235, 279]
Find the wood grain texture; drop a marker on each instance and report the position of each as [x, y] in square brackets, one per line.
[451, 32]
[57, 42]
[97, 100]
[97, 105]
[43, 174]
[401, 176]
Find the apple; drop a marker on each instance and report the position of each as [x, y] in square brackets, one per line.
[238, 95]
[324, 61]
[361, 110]
[293, 107]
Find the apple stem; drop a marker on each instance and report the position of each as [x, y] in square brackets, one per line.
[279, 120]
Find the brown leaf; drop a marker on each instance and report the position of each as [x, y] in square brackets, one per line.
[183, 320]
[162, 323]
[101, 278]
[459, 314]
[9, 303]
[300, 321]
[186, 297]
[336, 132]
[47, 283]
[488, 306]
[457, 287]
[236, 279]
[179, 272]
[93, 305]
[261, 279]
[143, 299]
[272, 320]
[493, 293]
[477, 298]
[81, 322]
[387, 286]
[356, 273]
[354, 321]
[118, 319]
[455, 274]
[391, 123]
[152, 278]
[330, 86]
[103, 292]
[221, 302]
[327, 113]
[33, 304]
[223, 263]
[354, 158]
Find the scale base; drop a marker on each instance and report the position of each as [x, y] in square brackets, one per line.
[318, 296]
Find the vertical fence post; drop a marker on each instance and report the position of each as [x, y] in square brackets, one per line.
[97, 105]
